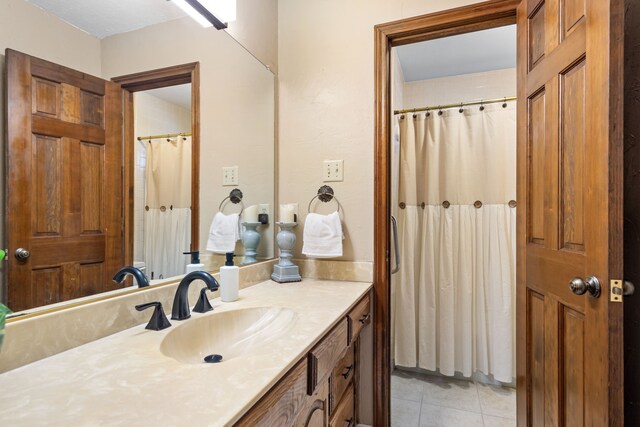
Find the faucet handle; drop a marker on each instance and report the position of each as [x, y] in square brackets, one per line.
[158, 319]
[203, 305]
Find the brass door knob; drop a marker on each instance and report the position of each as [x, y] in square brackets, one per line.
[581, 287]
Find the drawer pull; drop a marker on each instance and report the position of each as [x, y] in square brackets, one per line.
[347, 371]
[364, 319]
[349, 422]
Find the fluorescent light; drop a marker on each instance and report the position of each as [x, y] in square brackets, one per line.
[209, 12]
[186, 8]
[224, 10]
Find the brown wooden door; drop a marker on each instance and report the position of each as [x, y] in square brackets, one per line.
[570, 219]
[64, 182]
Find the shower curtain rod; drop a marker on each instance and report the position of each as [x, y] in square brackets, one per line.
[169, 135]
[459, 104]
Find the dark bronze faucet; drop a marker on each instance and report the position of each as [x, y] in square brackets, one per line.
[135, 272]
[180, 310]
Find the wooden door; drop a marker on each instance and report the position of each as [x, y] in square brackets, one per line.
[570, 212]
[64, 182]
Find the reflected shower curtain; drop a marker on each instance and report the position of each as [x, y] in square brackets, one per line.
[454, 296]
[167, 222]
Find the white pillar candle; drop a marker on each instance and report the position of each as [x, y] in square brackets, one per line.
[250, 214]
[287, 213]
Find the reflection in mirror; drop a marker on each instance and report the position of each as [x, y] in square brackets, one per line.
[162, 183]
[235, 127]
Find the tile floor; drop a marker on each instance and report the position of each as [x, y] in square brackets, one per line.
[419, 400]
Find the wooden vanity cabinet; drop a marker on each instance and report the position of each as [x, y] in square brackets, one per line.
[344, 414]
[282, 405]
[316, 411]
[320, 390]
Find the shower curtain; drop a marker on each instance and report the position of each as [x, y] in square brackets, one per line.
[167, 221]
[454, 296]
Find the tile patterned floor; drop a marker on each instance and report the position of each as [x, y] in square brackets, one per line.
[419, 400]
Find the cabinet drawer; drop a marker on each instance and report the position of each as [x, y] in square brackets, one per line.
[341, 376]
[344, 415]
[280, 406]
[324, 356]
[359, 317]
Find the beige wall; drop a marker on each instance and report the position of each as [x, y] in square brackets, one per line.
[236, 106]
[257, 30]
[31, 30]
[325, 77]
[453, 89]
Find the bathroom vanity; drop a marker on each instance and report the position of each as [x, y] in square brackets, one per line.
[298, 366]
[322, 385]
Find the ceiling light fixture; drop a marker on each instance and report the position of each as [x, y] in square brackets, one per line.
[209, 12]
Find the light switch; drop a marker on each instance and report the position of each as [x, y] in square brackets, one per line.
[333, 170]
[230, 175]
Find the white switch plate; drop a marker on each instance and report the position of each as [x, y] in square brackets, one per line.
[333, 170]
[263, 208]
[230, 175]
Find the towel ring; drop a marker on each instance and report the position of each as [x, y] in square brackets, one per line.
[325, 195]
[235, 197]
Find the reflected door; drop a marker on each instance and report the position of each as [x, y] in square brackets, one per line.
[64, 182]
[570, 230]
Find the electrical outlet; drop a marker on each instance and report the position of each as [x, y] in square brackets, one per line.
[230, 175]
[263, 208]
[333, 170]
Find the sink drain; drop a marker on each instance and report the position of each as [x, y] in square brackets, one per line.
[213, 358]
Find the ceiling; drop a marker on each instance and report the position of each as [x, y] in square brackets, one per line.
[104, 18]
[178, 95]
[486, 50]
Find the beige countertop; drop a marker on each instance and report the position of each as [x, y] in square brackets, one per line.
[125, 380]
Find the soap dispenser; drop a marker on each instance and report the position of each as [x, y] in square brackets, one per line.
[195, 264]
[229, 280]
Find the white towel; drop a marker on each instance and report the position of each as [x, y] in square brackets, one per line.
[322, 236]
[224, 233]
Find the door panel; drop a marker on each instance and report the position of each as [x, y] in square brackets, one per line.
[64, 182]
[572, 151]
[572, 12]
[569, 90]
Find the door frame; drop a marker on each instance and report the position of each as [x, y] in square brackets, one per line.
[154, 79]
[475, 17]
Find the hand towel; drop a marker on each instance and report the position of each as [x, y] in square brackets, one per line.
[224, 233]
[322, 237]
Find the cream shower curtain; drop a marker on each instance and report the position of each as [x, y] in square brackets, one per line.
[454, 296]
[167, 222]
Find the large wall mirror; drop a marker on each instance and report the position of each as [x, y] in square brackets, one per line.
[196, 106]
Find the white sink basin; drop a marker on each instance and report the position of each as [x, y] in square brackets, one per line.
[230, 334]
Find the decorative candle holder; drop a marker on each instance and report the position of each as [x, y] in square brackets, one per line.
[250, 240]
[286, 270]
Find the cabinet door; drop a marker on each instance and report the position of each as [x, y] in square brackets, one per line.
[316, 412]
[282, 404]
